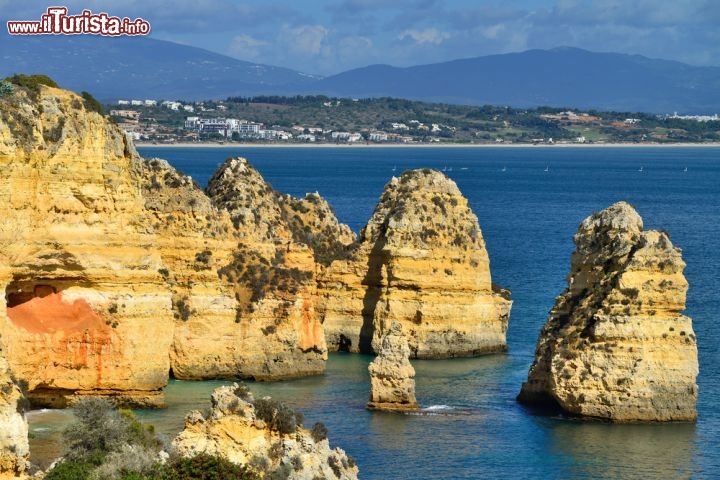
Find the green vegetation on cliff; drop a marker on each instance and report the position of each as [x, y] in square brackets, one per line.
[109, 444]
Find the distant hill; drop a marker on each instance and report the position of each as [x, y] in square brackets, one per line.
[561, 77]
[140, 67]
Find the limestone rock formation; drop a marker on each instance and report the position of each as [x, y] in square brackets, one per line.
[14, 448]
[616, 345]
[194, 240]
[392, 377]
[86, 308]
[264, 434]
[273, 272]
[421, 261]
[116, 271]
[313, 223]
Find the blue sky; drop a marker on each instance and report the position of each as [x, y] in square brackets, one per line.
[327, 37]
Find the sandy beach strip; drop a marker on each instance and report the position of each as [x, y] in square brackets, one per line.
[421, 145]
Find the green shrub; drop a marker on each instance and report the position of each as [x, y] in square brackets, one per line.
[205, 467]
[319, 432]
[70, 470]
[243, 391]
[6, 88]
[32, 82]
[99, 429]
[277, 415]
[91, 104]
[132, 462]
[181, 307]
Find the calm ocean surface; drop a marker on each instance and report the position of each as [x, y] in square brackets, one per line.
[473, 428]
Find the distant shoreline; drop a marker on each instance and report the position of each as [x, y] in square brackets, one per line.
[421, 145]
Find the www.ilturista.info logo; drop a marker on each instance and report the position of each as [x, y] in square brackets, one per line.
[57, 22]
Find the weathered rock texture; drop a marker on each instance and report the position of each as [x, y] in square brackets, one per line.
[421, 261]
[116, 271]
[14, 448]
[616, 346]
[392, 377]
[194, 240]
[234, 430]
[86, 308]
[273, 273]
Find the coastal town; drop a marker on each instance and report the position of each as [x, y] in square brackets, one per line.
[323, 120]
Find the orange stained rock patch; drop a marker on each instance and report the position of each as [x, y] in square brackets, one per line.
[51, 313]
[310, 331]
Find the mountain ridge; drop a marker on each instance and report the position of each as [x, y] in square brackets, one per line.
[138, 67]
[565, 76]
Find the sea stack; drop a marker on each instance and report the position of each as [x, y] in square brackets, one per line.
[421, 261]
[266, 434]
[392, 377]
[273, 274]
[616, 346]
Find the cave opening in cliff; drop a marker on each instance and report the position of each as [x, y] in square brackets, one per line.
[20, 292]
[344, 344]
[42, 306]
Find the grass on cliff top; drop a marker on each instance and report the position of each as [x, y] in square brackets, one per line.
[31, 82]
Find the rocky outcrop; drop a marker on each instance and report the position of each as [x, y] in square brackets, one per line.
[14, 447]
[264, 434]
[313, 223]
[87, 309]
[421, 261]
[274, 277]
[117, 271]
[616, 345]
[392, 377]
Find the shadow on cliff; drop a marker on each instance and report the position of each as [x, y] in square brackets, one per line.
[373, 283]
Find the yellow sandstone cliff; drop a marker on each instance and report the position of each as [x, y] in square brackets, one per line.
[616, 345]
[421, 261]
[117, 271]
[86, 308]
[14, 448]
[274, 278]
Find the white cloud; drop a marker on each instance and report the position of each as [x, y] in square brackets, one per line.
[493, 31]
[245, 46]
[354, 45]
[429, 35]
[307, 40]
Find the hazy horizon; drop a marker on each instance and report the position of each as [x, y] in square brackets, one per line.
[325, 38]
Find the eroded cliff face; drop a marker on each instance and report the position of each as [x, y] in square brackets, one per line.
[194, 240]
[14, 448]
[421, 261]
[273, 274]
[616, 345]
[86, 308]
[392, 376]
[234, 429]
[117, 271]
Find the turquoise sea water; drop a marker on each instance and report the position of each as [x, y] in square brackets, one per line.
[472, 427]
